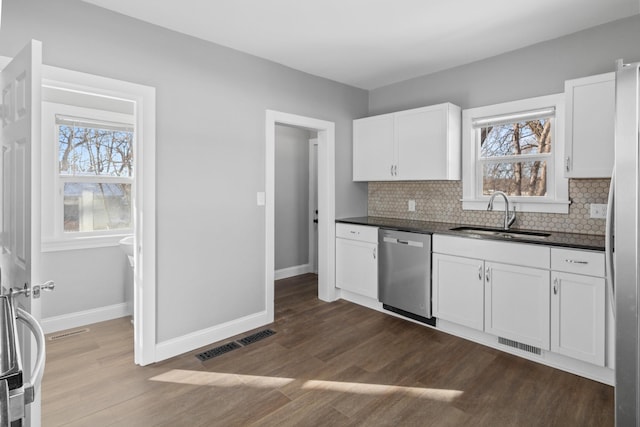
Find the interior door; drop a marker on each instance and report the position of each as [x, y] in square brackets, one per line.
[20, 82]
[313, 205]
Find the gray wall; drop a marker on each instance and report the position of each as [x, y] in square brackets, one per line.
[85, 279]
[537, 70]
[211, 104]
[292, 197]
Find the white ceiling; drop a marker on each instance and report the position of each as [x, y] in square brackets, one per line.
[372, 43]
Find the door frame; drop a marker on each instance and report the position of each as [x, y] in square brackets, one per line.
[144, 288]
[326, 202]
[145, 204]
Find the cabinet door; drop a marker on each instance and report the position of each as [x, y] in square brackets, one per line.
[357, 267]
[421, 136]
[578, 316]
[374, 148]
[458, 290]
[589, 128]
[517, 303]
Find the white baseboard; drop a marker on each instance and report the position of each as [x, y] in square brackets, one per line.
[82, 318]
[296, 270]
[204, 337]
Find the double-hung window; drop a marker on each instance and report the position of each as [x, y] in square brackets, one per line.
[515, 148]
[88, 201]
[95, 172]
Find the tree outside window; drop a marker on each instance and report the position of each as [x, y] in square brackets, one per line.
[513, 157]
[95, 166]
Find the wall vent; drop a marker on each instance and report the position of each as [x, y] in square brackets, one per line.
[256, 337]
[225, 348]
[67, 334]
[520, 346]
[214, 352]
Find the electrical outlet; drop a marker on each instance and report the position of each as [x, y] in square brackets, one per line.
[412, 205]
[598, 210]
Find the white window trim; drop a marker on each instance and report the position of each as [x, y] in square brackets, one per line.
[557, 199]
[53, 237]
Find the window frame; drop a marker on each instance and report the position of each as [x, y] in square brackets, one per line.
[54, 237]
[557, 198]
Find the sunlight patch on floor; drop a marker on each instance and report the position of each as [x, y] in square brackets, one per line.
[217, 379]
[441, 395]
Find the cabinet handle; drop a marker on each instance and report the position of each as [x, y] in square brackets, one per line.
[486, 274]
[567, 163]
[480, 272]
[555, 286]
[374, 253]
[575, 261]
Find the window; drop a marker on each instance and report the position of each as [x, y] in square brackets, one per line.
[95, 172]
[88, 174]
[515, 148]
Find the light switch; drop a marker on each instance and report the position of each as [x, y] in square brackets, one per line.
[412, 205]
[261, 198]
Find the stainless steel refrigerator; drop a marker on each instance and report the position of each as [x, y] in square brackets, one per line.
[623, 245]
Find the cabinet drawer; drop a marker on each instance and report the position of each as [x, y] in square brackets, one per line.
[361, 233]
[491, 250]
[576, 261]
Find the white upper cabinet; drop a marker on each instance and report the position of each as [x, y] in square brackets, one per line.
[412, 145]
[589, 129]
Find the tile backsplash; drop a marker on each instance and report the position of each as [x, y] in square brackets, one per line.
[439, 201]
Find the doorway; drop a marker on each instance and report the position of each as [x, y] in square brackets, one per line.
[115, 92]
[295, 202]
[326, 202]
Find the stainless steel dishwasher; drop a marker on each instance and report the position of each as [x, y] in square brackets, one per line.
[404, 274]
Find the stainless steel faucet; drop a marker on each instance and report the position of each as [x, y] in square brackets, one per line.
[508, 220]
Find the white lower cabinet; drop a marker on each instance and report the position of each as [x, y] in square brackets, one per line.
[458, 290]
[532, 297]
[578, 305]
[505, 293]
[357, 259]
[517, 303]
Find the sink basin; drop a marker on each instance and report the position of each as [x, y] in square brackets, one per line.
[498, 232]
[126, 244]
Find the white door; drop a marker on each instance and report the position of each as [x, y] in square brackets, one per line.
[357, 267]
[422, 143]
[517, 305]
[20, 82]
[458, 290]
[313, 205]
[578, 317]
[374, 149]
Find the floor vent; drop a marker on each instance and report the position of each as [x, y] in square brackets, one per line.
[520, 346]
[67, 334]
[214, 352]
[256, 337]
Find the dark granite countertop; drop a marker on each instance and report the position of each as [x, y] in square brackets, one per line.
[569, 240]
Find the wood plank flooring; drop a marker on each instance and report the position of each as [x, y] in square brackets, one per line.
[329, 364]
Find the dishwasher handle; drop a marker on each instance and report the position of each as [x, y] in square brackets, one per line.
[397, 241]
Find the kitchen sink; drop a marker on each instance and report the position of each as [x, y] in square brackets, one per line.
[498, 232]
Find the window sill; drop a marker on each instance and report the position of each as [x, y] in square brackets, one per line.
[542, 206]
[83, 242]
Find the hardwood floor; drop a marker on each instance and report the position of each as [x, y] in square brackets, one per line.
[329, 364]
